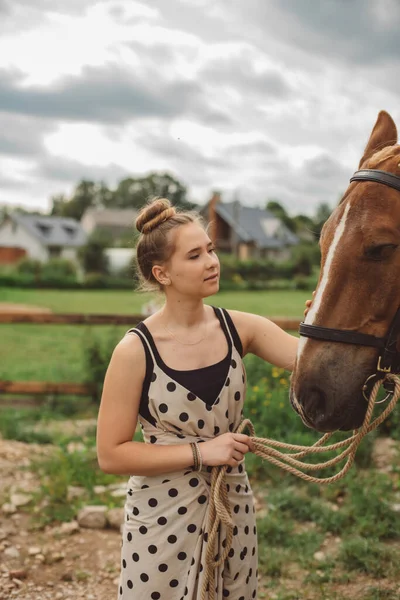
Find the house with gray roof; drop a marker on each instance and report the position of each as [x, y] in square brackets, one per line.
[247, 231]
[116, 221]
[40, 237]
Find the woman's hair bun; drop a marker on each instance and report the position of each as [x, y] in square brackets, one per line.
[151, 215]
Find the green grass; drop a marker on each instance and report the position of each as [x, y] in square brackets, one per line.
[55, 353]
[268, 303]
[367, 555]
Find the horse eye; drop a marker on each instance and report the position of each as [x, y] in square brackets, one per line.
[380, 251]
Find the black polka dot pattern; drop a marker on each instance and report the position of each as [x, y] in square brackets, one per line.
[165, 535]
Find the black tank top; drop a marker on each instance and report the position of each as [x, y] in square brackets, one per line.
[205, 382]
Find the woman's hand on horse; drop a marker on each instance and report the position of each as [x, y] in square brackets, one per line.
[308, 304]
[226, 449]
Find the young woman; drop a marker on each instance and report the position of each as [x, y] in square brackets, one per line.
[180, 374]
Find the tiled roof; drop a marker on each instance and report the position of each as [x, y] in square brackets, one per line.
[52, 231]
[256, 225]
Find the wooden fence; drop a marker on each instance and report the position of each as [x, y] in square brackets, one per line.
[43, 388]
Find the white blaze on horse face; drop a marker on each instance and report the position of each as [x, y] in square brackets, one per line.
[312, 313]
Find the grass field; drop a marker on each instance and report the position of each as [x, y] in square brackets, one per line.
[268, 303]
[55, 352]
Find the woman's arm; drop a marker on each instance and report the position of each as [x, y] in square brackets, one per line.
[262, 337]
[118, 415]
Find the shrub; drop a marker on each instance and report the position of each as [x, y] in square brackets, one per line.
[97, 353]
[29, 266]
[58, 268]
[100, 281]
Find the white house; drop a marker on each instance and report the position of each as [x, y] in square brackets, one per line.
[116, 221]
[40, 237]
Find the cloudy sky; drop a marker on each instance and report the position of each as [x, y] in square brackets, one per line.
[257, 98]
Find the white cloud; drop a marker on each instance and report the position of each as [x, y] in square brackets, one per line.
[262, 98]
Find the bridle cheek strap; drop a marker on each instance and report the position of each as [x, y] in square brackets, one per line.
[341, 335]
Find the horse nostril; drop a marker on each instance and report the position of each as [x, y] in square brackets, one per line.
[314, 403]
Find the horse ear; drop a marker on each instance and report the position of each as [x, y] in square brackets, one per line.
[383, 134]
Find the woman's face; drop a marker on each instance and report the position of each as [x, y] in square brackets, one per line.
[193, 269]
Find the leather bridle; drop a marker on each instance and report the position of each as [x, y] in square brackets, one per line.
[389, 357]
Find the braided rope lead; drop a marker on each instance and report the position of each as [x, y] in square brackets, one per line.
[220, 510]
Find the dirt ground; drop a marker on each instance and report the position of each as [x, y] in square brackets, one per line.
[51, 563]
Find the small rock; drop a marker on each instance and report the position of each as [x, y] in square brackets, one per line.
[74, 491]
[67, 528]
[8, 508]
[119, 493]
[18, 574]
[319, 556]
[20, 499]
[33, 550]
[67, 576]
[40, 558]
[11, 552]
[115, 517]
[3, 534]
[54, 557]
[93, 517]
[99, 489]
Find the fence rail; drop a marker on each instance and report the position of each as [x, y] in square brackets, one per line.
[69, 318]
[43, 388]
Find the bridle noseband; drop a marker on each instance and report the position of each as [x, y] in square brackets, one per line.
[389, 357]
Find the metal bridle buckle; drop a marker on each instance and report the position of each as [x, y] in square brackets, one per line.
[382, 369]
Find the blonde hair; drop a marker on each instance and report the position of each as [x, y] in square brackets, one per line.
[156, 222]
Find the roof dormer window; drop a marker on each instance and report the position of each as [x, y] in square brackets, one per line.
[44, 229]
[71, 231]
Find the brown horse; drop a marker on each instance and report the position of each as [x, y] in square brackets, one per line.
[358, 293]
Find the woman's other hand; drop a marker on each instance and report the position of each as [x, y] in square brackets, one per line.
[308, 304]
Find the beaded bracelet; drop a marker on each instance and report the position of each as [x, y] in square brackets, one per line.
[200, 458]
[195, 456]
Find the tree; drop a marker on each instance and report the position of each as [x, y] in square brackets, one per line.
[92, 254]
[84, 196]
[133, 192]
[321, 215]
[305, 228]
[279, 211]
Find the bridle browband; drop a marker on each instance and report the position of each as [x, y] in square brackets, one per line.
[389, 357]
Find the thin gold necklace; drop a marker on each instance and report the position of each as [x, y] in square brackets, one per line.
[187, 343]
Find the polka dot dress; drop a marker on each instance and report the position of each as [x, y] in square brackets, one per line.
[164, 534]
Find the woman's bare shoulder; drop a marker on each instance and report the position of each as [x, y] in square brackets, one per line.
[129, 347]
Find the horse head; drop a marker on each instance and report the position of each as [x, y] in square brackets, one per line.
[358, 292]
